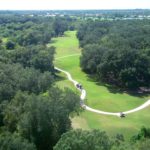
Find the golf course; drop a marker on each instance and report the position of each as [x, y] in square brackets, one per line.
[99, 95]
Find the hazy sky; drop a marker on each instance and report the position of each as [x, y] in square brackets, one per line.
[73, 4]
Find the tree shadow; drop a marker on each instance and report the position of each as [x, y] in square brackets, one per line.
[58, 77]
[52, 41]
[115, 89]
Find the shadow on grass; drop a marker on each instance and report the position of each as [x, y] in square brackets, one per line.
[111, 88]
[115, 89]
[58, 77]
[52, 41]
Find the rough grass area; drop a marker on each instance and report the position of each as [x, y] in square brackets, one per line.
[99, 96]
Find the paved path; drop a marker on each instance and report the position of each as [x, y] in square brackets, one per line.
[83, 96]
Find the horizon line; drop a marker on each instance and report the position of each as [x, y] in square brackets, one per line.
[73, 9]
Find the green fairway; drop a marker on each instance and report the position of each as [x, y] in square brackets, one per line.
[98, 95]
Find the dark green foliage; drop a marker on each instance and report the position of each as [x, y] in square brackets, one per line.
[84, 140]
[60, 25]
[91, 57]
[126, 68]
[121, 53]
[43, 60]
[39, 57]
[143, 133]
[97, 140]
[10, 141]
[14, 77]
[94, 139]
[91, 32]
[26, 30]
[27, 72]
[41, 119]
[1, 41]
[142, 139]
[33, 37]
[29, 32]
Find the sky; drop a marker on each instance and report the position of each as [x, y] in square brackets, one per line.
[73, 4]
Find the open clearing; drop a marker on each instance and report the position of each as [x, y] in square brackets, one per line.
[99, 96]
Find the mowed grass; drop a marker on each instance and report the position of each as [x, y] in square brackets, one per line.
[98, 95]
[65, 45]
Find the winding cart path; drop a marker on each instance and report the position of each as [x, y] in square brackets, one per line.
[83, 95]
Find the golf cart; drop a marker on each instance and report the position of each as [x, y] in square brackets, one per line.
[122, 115]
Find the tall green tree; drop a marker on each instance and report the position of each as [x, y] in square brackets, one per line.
[10, 141]
[42, 119]
[84, 140]
[60, 25]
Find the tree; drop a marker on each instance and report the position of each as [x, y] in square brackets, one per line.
[60, 26]
[84, 140]
[10, 141]
[143, 133]
[14, 78]
[41, 119]
[44, 60]
[40, 57]
[116, 52]
[95, 140]
[1, 41]
[91, 57]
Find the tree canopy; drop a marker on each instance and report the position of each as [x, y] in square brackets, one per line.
[10, 141]
[34, 113]
[84, 140]
[117, 52]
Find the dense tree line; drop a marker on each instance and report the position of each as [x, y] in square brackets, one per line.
[40, 119]
[117, 52]
[40, 57]
[27, 30]
[34, 113]
[99, 140]
[14, 78]
[13, 141]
